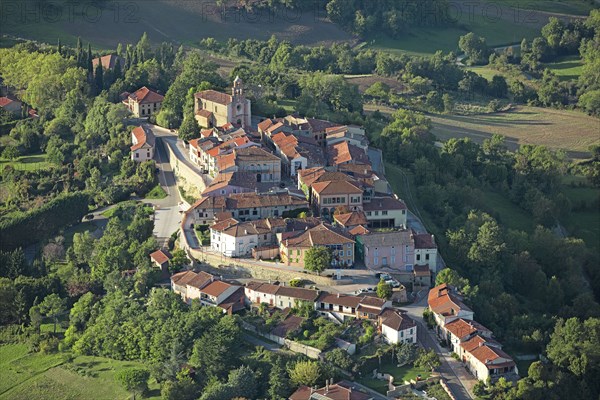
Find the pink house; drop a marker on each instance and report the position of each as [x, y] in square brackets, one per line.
[387, 249]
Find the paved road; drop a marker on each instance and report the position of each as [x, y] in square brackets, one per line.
[167, 217]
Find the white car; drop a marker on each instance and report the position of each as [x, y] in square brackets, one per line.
[393, 283]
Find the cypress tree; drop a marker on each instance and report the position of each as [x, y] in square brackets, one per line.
[90, 68]
[79, 52]
[120, 50]
[117, 69]
[99, 78]
[59, 47]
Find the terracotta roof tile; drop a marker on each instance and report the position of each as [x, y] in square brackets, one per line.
[335, 187]
[216, 288]
[145, 95]
[160, 256]
[215, 97]
[351, 219]
[397, 321]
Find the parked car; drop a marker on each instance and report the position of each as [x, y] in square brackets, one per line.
[385, 277]
[393, 283]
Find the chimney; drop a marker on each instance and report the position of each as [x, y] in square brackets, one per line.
[338, 295]
[326, 386]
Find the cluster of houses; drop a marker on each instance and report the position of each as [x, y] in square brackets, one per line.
[264, 175]
[395, 326]
[472, 342]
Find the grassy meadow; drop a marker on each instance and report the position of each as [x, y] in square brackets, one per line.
[26, 376]
[567, 68]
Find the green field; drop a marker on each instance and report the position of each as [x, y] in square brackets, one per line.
[27, 376]
[573, 7]
[567, 68]
[27, 163]
[400, 374]
[508, 213]
[571, 131]
[500, 22]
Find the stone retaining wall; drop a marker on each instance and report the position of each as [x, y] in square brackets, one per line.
[186, 177]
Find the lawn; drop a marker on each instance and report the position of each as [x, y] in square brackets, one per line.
[28, 163]
[25, 375]
[573, 7]
[571, 131]
[400, 374]
[156, 193]
[79, 228]
[567, 68]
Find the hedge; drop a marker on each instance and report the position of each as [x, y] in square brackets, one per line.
[20, 229]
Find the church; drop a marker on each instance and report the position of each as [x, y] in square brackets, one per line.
[215, 109]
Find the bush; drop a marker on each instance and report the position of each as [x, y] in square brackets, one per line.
[49, 346]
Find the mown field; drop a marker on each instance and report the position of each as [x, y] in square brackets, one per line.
[27, 376]
[571, 131]
[567, 68]
[27, 163]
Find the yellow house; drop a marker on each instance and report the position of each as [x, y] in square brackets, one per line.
[144, 102]
[214, 109]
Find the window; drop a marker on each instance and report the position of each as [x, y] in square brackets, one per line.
[384, 213]
[393, 250]
[137, 155]
[393, 260]
[349, 253]
[368, 213]
[418, 257]
[375, 261]
[376, 213]
[401, 334]
[427, 257]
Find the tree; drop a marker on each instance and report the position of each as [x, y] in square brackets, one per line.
[53, 306]
[427, 359]
[179, 261]
[339, 358]
[474, 47]
[590, 102]
[452, 278]
[305, 373]
[10, 153]
[279, 383]
[384, 290]
[317, 259]
[99, 77]
[134, 380]
[575, 346]
[189, 128]
[406, 354]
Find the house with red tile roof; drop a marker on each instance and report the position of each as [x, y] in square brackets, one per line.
[144, 102]
[460, 330]
[216, 109]
[160, 258]
[11, 104]
[142, 148]
[245, 206]
[341, 307]
[293, 245]
[447, 305]
[109, 61]
[343, 390]
[264, 165]
[297, 152]
[346, 153]
[397, 327]
[425, 250]
[350, 220]
[208, 290]
[278, 296]
[327, 196]
[486, 361]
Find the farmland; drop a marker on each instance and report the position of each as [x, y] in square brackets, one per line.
[25, 375]
[571, 131]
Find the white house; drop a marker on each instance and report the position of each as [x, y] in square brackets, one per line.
[143, 144]
[278, 296]
[232, 238]
[426, 250]
[487, 360]
[397, 327]
[447, 306]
